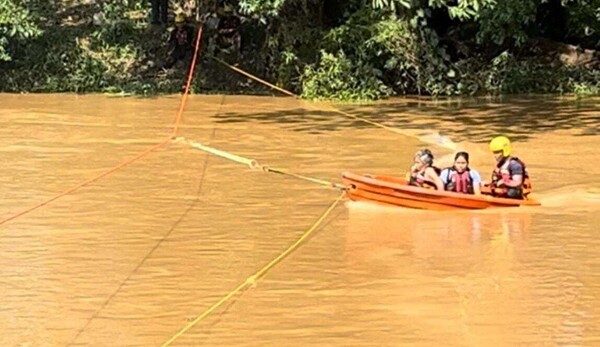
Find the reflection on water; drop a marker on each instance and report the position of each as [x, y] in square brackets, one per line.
[471, 277]
[130, 259]
[477, 120]
[469, 261]
[424, 235]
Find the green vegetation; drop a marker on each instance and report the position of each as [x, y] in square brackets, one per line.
[347, 50]
[59, 49]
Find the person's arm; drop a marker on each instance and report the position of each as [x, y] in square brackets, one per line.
[476, 179]
[445, 176]
[433, 177]
[414, 168]
[517, 179]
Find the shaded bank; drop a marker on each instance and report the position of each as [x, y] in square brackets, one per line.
[343, 50]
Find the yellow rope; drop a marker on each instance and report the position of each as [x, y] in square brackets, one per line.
[253, 164]
[287, 92]
[437, 139]
[306, 178]
[257, 275]
[239, 159]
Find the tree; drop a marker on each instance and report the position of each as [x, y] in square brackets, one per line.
[15, 24]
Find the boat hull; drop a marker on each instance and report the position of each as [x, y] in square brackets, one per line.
[396, 191]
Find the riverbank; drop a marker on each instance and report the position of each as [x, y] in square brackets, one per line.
[123, 53]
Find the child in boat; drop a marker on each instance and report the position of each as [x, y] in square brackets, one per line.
[460, 178]
[423, 173]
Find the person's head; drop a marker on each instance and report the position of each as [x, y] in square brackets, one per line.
[500, 146]
[461, 161]
[179, 19]
[424, 157]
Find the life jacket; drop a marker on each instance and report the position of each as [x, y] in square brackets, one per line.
[418, 179]
[459, 182]
[504, 169]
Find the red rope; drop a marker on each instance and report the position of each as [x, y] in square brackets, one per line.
[187, 85]
[130, 160]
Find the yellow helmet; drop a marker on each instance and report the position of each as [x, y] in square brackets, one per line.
[500, 143]
[180, 18]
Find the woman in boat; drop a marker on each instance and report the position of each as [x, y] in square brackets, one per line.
[460, 178]
[423, 173]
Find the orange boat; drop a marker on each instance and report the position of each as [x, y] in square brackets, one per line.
[396, 191]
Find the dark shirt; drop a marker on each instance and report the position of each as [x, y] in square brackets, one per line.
[228, 25]
[514, 167]
[182, 36]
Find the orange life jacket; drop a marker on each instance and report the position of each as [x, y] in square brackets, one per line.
[525, 187]
[459, 182]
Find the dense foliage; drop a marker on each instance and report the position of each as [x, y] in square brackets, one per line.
[336, 49]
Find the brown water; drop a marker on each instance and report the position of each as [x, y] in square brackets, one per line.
[132, 258]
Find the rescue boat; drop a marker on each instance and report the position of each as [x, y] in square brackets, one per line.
[396, 191]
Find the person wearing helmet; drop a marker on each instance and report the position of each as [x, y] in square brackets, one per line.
[460, 178]
[228, 29]
[181, 41]
[423, 173]
[510, 178]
